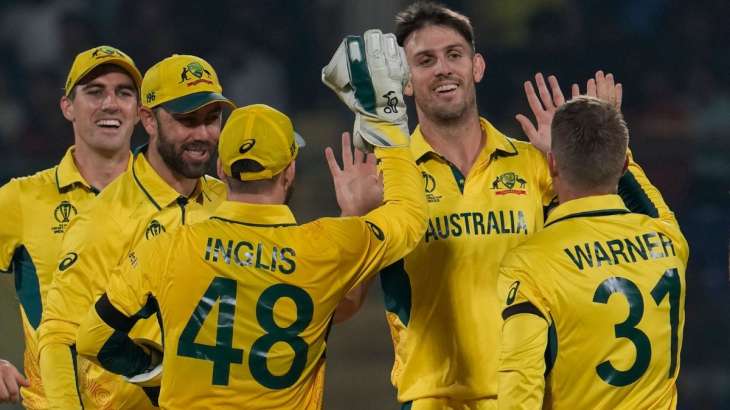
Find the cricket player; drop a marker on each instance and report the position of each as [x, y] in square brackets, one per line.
[247, 297]
[166, 187]
[485, 194]
[593, 305]
[101, 102]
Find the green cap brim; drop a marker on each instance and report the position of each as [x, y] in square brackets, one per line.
[192, 102]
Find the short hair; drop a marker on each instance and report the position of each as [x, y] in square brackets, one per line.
[427, 13]
[589, 142]
[236, 185]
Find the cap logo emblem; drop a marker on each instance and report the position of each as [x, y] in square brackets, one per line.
[197, 71]
[106, 52]
[246, 146]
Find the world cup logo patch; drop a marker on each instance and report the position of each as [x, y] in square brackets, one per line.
[63, 214]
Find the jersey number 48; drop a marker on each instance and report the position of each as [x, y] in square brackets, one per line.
[223, 354]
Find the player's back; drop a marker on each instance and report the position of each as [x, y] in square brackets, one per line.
[246, 311]
[613, 284]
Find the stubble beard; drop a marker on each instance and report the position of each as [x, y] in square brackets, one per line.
[174, 160]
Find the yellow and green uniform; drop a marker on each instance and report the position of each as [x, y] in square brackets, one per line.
[594, 306]
[441, 299]
[247, 297]
[134, 208]
[37, 210]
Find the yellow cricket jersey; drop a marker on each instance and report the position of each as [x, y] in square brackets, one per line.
[594, 306]
[134, 208]
[37, 210]
[247, 297]
[441, 299]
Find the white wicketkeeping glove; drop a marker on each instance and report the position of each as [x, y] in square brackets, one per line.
[368, 74]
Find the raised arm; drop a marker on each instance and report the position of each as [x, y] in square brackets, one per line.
[368, 74]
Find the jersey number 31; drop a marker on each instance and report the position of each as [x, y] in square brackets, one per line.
[668, 284]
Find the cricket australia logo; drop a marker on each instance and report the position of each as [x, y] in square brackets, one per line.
[509, 183]
[391, 103]
[106, 52]
[429, 185]
[63, 214]
[150, 97]
[155, 228]
[197, 71]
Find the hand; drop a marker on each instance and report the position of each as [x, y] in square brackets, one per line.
[10, 382]
[368, 74]
[358, 185]
[602, 87]
[543, 108]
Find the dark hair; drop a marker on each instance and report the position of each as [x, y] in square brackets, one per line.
[426, 13]
[245, 165]
[589, 142]
[235, 184]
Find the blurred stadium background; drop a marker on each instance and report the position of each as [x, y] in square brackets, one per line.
[672, 57]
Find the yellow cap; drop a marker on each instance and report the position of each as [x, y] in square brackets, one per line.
[94, 57]
[182, 84]
[262, 134]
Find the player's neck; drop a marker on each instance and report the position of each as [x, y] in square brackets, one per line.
[183, 185]
[567, 193]
[100, 169]
[255, 198]
[459, 142]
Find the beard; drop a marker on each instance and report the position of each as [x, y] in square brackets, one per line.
[172, 155]
[446, 113]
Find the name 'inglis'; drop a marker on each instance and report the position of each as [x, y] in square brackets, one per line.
[243, 253]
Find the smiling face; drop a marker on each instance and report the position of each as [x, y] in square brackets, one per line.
[187, 142]
[444, 69]
[103, 108]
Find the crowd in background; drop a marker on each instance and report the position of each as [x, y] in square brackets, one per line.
[671, 57]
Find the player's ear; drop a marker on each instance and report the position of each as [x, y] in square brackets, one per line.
[552, 166]
[219, 169]
[479, 66]
[149, 121]
[408, 89]
[67, 108]
[287, 178]
[626, 165]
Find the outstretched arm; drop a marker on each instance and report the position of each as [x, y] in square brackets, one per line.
[359, 190]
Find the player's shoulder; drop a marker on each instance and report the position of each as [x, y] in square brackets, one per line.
[116, 200]
[44, 179]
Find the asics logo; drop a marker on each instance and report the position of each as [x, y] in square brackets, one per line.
[246, 146]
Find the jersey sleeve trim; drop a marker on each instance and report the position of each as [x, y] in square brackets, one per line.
[118, 320]
[602, 212]
[634, 196]
[524, 307]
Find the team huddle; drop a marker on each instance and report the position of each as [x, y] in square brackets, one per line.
[145, 283]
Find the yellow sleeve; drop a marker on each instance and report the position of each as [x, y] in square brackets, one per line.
[542, 176]
[128, 298]
[640, 195]
[11, 224]
[87, 255]
[369, 243]
[524, 340]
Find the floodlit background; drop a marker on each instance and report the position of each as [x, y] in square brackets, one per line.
[671, 56]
